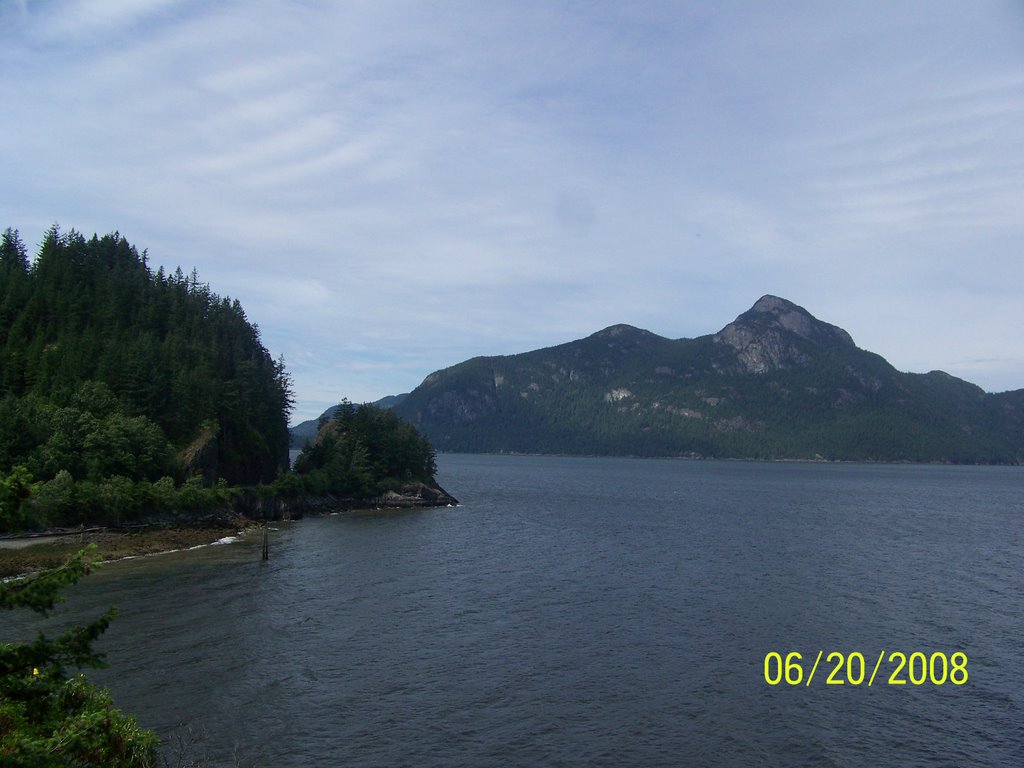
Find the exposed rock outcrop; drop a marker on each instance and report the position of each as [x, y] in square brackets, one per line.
[417, 495]
[199, 458]
[767, 336]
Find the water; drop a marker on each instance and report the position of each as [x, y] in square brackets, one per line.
[593, 612]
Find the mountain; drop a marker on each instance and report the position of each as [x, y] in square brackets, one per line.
[776, 383]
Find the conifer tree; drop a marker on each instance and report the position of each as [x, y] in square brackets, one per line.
[49, 717]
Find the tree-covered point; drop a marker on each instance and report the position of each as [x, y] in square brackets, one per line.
[362, 452]
[111, 370]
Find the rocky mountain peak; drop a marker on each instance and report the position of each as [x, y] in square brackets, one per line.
[795, 318]
[775, 305]
[763, 335]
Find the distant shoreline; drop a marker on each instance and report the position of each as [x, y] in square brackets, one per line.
[748, 459]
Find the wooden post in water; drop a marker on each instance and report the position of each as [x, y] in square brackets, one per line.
[266, 543]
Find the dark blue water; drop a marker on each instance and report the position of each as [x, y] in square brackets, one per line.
[594, 612]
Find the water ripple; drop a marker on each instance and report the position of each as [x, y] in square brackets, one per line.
[593, 612]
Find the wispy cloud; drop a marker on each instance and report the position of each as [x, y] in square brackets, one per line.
[393, 187]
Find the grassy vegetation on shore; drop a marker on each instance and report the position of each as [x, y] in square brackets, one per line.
[111, 545]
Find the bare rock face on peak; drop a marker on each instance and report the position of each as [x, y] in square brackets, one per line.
[771, 310]
[776, 333]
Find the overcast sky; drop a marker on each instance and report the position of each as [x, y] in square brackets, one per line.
[390, 188]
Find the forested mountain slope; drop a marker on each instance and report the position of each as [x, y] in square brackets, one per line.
[110, 369]
[776, 383]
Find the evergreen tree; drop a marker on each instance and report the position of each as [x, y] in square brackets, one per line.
[49, 717]
[13, 255]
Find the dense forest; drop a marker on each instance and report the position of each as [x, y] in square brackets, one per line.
[114, 374]
[364, 451]
[128, 393]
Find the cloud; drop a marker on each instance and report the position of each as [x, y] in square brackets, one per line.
[432, 182]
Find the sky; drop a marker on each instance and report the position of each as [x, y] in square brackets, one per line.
[390, 188]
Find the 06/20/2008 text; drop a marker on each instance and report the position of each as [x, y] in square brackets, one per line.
[916, 668]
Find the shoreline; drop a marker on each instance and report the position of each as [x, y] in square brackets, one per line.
[26, 556]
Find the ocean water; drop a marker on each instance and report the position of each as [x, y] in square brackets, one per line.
[597, 612]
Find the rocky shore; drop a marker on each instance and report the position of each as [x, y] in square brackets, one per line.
[28, 554]
[412, 495]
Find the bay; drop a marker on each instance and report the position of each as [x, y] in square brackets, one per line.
[584, 611]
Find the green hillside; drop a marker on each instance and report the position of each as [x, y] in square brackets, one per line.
[775, 384]
[113, 374]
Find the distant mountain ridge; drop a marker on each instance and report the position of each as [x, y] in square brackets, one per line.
[776, 383]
